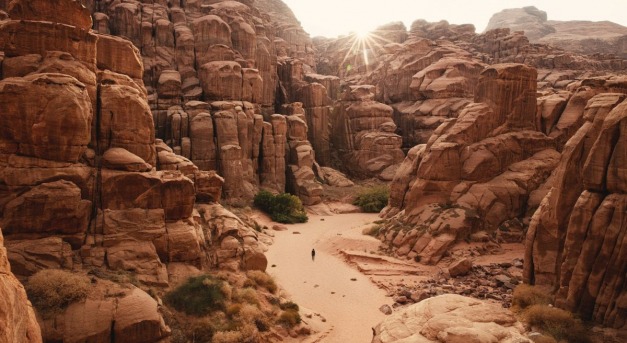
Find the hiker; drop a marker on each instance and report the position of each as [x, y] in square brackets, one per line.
[313, 254]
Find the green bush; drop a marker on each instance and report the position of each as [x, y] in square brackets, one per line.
[283, 208]
[558, 323]
[53, 289]
[198, 296]
[373, 200]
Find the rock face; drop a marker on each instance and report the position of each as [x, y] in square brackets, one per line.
[585, 37]
[17, 317]
[211, 73]
[363, 133]
[110, 313]
[475, 173]
[84, 184]
[576, 238]
[450, 318]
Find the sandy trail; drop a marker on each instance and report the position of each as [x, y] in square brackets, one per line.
[326, 286]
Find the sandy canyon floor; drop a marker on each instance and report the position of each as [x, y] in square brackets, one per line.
[340, 292]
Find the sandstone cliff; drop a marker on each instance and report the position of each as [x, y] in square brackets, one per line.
[84, 184]
[576, 239]
[17, 318]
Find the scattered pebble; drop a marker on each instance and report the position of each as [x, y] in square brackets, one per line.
[354, 279]
[296, 233]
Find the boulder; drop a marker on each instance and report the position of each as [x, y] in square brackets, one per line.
[450, 318]
[460, 267]
[60, 132]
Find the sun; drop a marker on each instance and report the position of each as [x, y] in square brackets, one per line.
[362, 34]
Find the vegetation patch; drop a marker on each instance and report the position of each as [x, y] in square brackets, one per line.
[198, 296]
[559, 324]
[372, 200]
[262, 279]
[372, 230]
[51, 290]
[289, 318]
[526, 295]
[283, 208]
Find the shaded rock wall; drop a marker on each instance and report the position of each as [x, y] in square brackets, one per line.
[17, 317]
[575, 242]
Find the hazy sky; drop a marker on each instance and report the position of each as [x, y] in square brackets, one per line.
[337, 17]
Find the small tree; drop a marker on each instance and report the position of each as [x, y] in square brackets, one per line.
[283, 208]
[373, 200]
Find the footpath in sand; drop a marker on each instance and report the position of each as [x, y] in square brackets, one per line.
[327, 287]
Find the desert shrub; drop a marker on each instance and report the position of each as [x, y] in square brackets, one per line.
[233, 310]
[246, 296]
[262, 279]
[289, 318]
[202, 331]
[372, 230]
[283, 208]
[243, 334]
[54, 289]
[289, 306]
[527, 295]
[372, 200]
[250, 313]
[198, 296]
[556, 322]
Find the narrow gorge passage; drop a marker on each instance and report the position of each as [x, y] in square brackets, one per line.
[325, 286]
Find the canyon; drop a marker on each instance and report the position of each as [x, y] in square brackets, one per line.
[137, 133]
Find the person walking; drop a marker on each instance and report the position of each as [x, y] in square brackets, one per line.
[313, 254]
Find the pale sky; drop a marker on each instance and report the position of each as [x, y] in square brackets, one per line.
[332, 18]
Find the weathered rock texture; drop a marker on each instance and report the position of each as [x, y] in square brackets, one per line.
[577, 238]
[450, 318]
[363, 133]
[475, 173]
[212, 71]
[85, 185]
[17, 317]
[585, 37]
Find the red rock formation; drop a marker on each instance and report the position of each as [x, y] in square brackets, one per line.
[83, 181]
[363, 134]
[484, 164]
[17, 317]
[575, 241]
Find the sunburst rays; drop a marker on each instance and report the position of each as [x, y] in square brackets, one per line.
[365, 47]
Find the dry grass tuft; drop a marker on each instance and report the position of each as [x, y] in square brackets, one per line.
[527, 295]
[53, 289]
[556, 322]
[262, 279]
